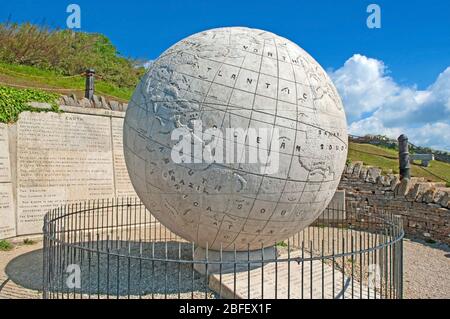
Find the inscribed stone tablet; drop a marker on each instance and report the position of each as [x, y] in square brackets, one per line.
[5, 167]
[124, 188]
[61, 158]
[7, 216]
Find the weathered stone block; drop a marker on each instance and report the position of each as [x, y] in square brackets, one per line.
[387, 184]
[373, 173]
[363, 173]
[349, 168]
[440, 184]
[418, 180]
[428, 196]
[440, 195]
[105, 103]
[445, 201]
[84, 102]
[417, 190]
[403, 187]
[357, 168]
[40, 106]
[114, 105]
[394, 182]
[74, 99]
[380, 180]
[97, 103]
[65, 100]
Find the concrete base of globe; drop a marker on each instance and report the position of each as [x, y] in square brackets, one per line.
[226, 263]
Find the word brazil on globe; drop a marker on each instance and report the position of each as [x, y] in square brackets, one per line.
[236, 138]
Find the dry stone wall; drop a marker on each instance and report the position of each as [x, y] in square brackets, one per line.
[424, 206]
[98, 102]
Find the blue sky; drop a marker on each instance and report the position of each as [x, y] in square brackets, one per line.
[407, 58]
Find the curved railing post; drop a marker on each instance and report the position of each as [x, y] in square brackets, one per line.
[374, 240]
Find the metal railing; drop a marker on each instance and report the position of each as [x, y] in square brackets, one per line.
[117, 249]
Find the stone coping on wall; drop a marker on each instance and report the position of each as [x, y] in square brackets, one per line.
[414, 189]
[98, 102]
[423, 206]
[92, 111]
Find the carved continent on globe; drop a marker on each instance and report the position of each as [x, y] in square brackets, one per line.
[236, 78]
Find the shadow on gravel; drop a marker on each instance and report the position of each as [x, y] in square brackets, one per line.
[26, 270]
[128, 269]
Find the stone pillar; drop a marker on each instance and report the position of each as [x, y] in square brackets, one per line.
[403, 152]
[90, 88]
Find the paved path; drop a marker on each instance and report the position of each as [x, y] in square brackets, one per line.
[290, 280]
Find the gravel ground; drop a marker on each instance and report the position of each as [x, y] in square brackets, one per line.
[426, 270]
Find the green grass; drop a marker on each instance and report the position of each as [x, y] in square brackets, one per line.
[387, 159]
[20, 84]
[376, 150]
[32, 77]
[282, 244]
[5, 245]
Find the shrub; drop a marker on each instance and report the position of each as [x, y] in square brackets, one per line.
[14, 101]
[5, 245]
[282, 244]
[28, 242]
[67, 52]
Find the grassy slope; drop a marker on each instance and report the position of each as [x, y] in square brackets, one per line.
[31, 77]
[388, 160]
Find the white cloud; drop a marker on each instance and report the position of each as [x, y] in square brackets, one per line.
[363, 85]
[376, 104]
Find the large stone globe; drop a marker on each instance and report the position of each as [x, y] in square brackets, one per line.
[236, 138]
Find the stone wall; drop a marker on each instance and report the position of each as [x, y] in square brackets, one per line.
[51, 159]
[424, 206]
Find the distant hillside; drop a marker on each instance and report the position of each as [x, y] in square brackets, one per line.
[386, 142]
[387, 159]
